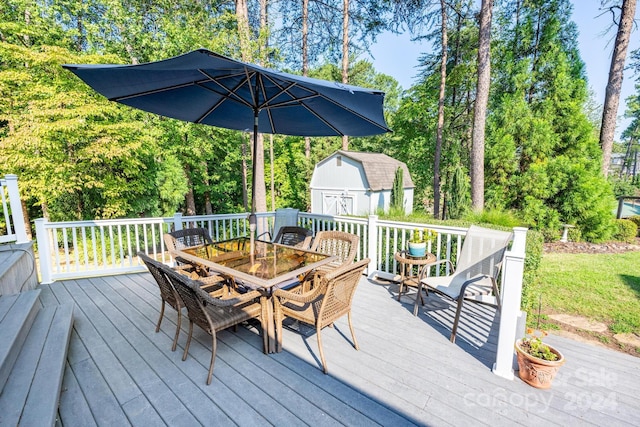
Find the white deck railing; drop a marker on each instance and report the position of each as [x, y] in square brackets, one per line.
[11, 212]
[94, 248]
[91, 248]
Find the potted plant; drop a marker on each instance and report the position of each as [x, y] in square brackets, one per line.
[418, 241]
[538, 362]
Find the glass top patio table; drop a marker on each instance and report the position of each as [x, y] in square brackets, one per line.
[269, 264]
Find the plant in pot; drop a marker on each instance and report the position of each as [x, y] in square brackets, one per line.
[538, 362]
[419, 240]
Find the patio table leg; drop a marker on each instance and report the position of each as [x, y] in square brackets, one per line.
[271, 329]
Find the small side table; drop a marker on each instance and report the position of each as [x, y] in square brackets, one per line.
[407, 264]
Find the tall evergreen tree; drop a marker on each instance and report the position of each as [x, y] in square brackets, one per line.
[542, 157]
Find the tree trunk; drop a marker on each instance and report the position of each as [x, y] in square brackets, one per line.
[443, 81]
[27, 222]
[345, 56]
[45, 210]
[534, 62]
[259, 191]
[208, 210]
[273, 190]
[305, 61]
[480, 107]
[27, 21]
[245, 198]
[189, 199]
[242, 16]
[614, 85]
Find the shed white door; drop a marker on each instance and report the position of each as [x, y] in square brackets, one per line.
[337, 204]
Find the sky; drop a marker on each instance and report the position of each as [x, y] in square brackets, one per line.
[397, 55]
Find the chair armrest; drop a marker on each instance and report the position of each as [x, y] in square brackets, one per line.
[265, 233]
[309, 296]
[241, 298]
[476, 278]
[426, 268]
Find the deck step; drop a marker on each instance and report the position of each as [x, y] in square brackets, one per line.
[17, 313]
[32, 391]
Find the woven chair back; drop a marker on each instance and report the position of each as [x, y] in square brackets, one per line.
[167, 292]
[294, 236]
[341, 285]
[192, 297]
[186, 238]
[337, 243]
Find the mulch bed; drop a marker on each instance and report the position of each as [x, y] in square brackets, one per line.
[592, 248]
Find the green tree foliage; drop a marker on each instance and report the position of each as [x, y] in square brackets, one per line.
[77, 156]
[416, 118]
[542, 157]
[80, 156]
[458, 202]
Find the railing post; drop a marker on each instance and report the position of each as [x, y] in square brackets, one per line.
[44, 251]
[372, 251]
[177, 221]
[511, 297]
[16, 208]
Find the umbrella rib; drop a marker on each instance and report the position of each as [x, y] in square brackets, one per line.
[264, 95]
[224, 96]
[314, 94]
[293, 101]
[152, 91]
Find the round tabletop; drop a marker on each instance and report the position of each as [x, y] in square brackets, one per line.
[405, 258]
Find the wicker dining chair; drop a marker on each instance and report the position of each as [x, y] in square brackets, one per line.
[329, 300]
[215, 314]
[167, 293]
[342, 245]
[189, 238]
[294, 236]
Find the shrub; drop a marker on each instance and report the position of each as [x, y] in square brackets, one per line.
[636, 220]
[575, 234]
[495, 217]
[533, 250]
[627, 231]
[550, 234]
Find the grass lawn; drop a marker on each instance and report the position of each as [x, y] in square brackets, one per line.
[601, 287]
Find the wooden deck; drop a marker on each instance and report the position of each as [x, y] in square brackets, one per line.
[120, 372]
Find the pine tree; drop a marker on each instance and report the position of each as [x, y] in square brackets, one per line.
[397, 192]
[542, 158]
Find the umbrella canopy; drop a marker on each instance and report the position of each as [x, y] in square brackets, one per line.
[204, 87]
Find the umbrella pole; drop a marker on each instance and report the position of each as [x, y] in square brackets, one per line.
[252, 216]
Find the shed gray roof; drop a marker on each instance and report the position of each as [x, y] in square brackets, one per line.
[379, 169]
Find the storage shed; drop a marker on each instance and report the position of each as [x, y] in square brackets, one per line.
[356, 183]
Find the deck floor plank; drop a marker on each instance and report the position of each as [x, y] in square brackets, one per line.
[73, 405]
[150, 354]
[122, 334]
[102, 351]
[406, 372]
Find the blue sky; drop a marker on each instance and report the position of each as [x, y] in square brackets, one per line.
[397, 56]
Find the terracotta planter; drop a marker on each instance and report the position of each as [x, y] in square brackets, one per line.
[417, 249]
[537, 372]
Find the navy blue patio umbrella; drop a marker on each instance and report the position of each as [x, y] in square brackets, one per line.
[204, 87]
